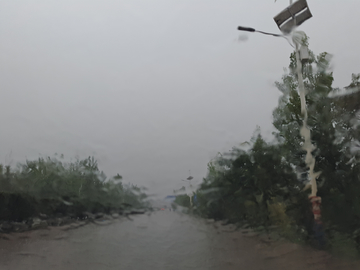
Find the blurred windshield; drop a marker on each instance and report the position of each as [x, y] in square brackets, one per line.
[154, 134]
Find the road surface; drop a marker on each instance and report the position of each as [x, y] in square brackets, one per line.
[163, 240]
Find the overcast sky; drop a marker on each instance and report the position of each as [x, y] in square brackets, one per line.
[151, 88]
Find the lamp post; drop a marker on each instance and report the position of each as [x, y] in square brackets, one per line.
[287, 20]
[189, 193]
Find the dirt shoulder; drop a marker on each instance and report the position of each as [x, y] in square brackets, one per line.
[278, 253]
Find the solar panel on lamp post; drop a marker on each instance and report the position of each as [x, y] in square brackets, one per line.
[293, 16]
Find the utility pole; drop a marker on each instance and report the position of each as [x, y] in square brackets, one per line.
[190, 190]
[308, 147]
[293, 16]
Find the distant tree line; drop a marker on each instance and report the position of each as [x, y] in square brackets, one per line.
[48, 186]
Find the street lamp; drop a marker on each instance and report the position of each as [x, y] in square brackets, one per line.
[190, 187]
[287, 20]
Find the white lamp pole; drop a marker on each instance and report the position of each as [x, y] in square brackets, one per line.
[293, 16]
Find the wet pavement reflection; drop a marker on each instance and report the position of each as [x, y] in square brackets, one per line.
[160, 240]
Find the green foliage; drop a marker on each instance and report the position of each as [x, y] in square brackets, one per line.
[264, 185]
[49, 186]
[183, 200]
[246, 185]
[334, 130]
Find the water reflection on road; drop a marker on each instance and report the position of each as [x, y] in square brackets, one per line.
[162, 240]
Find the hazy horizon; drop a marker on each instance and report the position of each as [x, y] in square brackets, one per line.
[151, 89]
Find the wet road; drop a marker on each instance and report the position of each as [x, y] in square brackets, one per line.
[162, 240]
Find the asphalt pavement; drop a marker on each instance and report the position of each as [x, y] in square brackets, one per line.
[161, 240]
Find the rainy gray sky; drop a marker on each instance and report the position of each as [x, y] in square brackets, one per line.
[150, 88]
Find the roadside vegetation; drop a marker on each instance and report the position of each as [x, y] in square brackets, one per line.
[182, 200]
[263, 184]
[47, 188]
